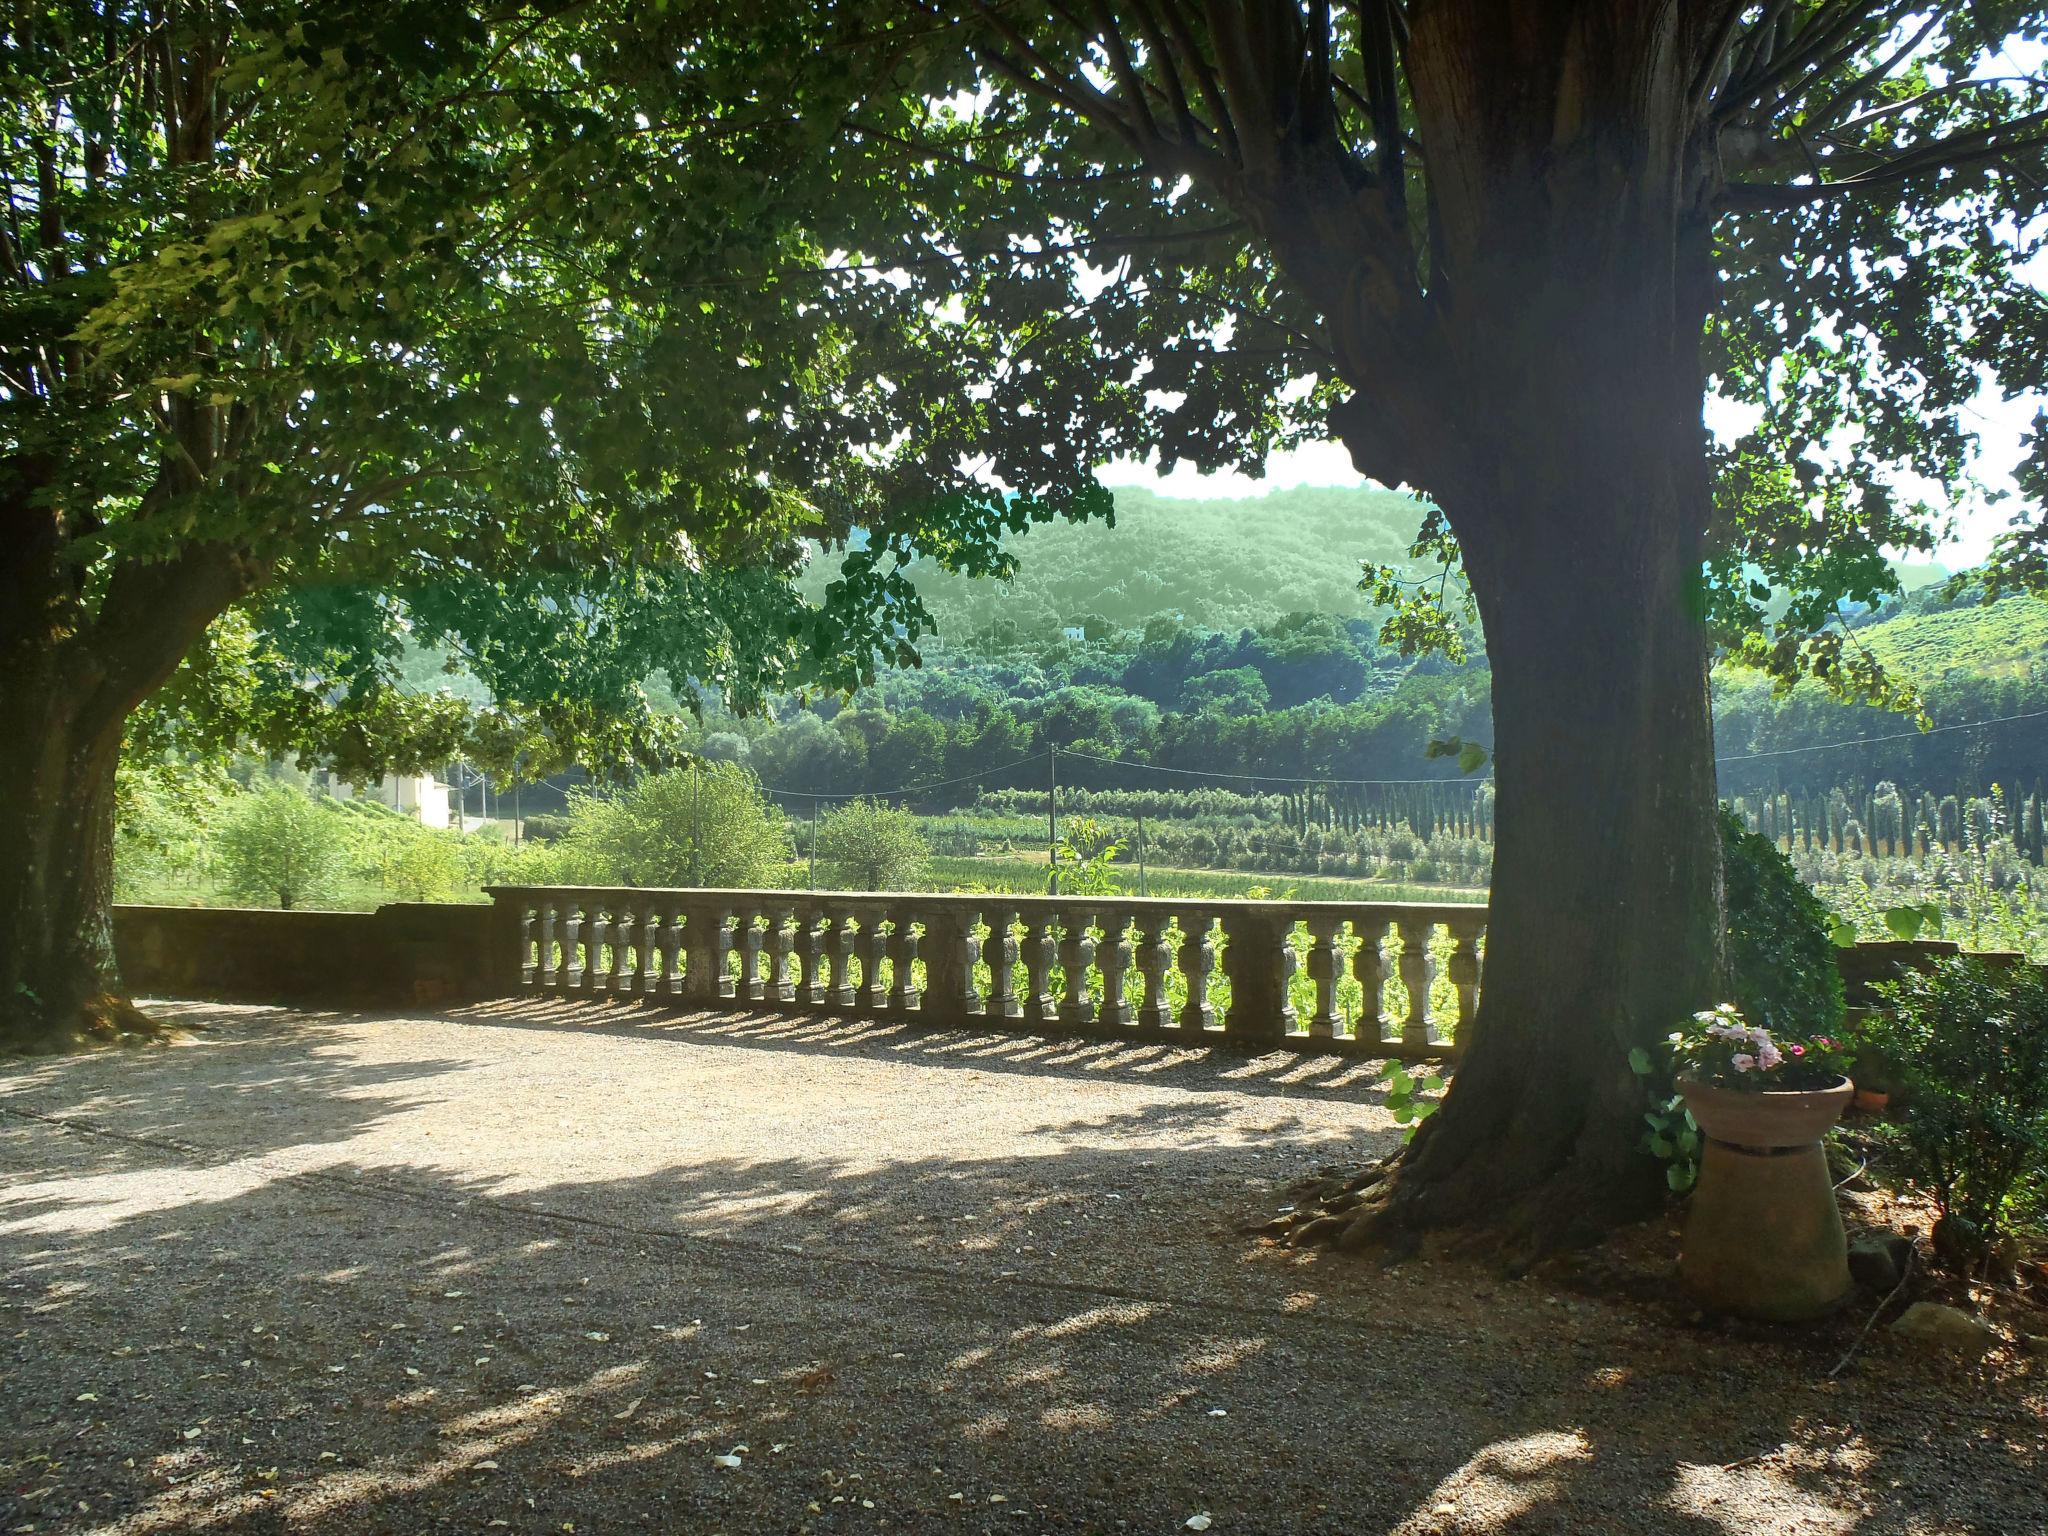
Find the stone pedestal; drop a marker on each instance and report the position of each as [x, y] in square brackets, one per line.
[1763, 1235]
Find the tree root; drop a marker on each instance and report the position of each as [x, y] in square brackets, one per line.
[104, 1019]
[1494, 1203]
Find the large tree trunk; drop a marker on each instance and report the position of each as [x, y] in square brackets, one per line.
[59, 982]
[1567, 450]
[72, 671]
[1605, 924]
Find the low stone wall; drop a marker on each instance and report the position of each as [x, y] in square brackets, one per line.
[410, 953]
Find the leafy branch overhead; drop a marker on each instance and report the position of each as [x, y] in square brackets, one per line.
[1859, 198]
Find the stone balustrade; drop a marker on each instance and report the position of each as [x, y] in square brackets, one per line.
[1394, 979]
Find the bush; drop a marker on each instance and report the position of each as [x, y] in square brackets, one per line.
[1781, 949]
[279, 844]
[1971, 1040]
[705, 825]
[546, 829]
[867, 846]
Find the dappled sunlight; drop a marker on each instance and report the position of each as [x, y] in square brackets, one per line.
[676, 1272]
[1502, 1483]
[1740, 1500]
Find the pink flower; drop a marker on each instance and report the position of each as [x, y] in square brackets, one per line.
[1798, 1050]
[1742, 1061]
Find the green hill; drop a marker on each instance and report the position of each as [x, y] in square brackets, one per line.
[2004, 640]
[1221, 565]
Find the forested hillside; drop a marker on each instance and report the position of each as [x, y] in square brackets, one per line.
[1223, 564]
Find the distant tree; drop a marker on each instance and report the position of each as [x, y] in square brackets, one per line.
[725, 747]
[705, 825]
[865, 845]
[803, 753]
[1233, 691]
[280, 844]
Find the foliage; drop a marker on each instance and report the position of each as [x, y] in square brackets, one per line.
[1721, 1047]
[1971, 1041]
[1781, 951]
[1405, 1087]
[279, 844]
[1083, 859]
[704, 825]
[867, 846]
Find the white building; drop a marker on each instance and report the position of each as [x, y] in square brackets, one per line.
[420, 795]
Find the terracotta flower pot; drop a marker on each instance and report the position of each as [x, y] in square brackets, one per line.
[1872, 1101]
[1771, 1119]
[1763, 1237]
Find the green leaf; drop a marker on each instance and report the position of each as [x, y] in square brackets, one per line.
[1639, 1062]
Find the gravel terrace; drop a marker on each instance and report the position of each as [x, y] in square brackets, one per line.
[572, 1268]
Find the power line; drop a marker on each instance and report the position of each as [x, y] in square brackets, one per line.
[1258, 778]
[1864, 741]
[906, 789]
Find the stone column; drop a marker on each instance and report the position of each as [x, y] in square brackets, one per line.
[1258, 957]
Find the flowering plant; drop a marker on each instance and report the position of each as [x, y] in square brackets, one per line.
[1721, 1047]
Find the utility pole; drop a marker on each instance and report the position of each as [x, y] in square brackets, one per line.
[1143, 889]
[1052, 823]
[814, 842]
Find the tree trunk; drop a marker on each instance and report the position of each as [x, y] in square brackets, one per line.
[1604, 930]
[1566, 448]
[59, 982]
[72, 670]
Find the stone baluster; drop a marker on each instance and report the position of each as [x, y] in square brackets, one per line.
[1113, 958]
[1325, 967]
[625, 945]
[810, 954]
[1258, 957]
[674, 960]
[1369, 965]
[874, 949]
[1001, 948]
[529, 967]
[648, 976]
[1154, 960]
[841, 941]
[596, 929]
[1077, 953]
[750, 935]
[1040, 1007]
[1197, 962]
[1464, 970]
[782, 938]
[903, 945]
[1415, 935]
[545, 976]
[570, 977]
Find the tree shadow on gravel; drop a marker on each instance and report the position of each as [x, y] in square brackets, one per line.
[799, 1342]
[1211, 1068]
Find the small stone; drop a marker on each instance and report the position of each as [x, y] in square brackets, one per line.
[1879, 1259]
[1935, 1326]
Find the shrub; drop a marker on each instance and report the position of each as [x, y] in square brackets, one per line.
[1971, 1040]
[705, 825]
[867, 846]
[1781, 950]
[546, 829]
[279, 844]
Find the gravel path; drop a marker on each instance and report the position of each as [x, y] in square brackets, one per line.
[574, 1268]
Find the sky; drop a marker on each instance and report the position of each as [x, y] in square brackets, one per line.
[2000, 425]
